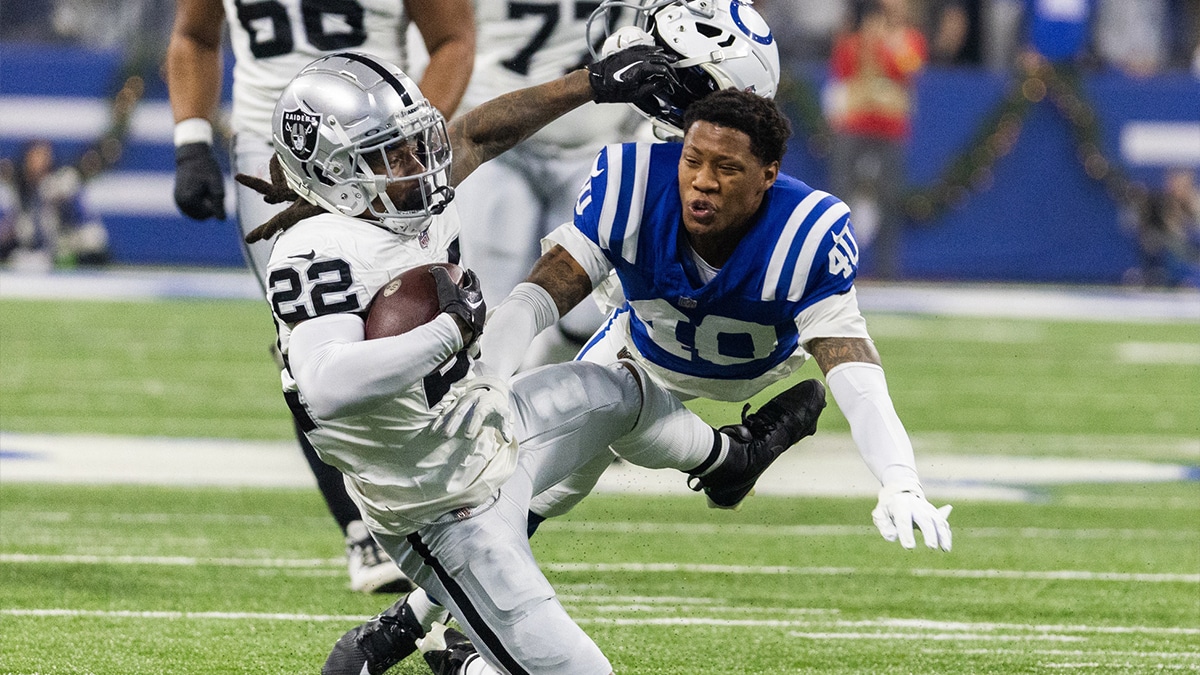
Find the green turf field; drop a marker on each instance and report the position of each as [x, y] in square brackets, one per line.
[1086, 579]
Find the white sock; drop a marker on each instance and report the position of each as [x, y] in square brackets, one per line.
[667, 435]
[426, 611]
[715, 459]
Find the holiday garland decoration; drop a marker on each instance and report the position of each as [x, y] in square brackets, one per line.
[106, 151]
[972, 171]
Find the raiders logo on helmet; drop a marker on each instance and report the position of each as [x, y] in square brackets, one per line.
[300, 130]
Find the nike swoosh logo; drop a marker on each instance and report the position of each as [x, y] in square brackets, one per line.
[617, 75]
[307, 256]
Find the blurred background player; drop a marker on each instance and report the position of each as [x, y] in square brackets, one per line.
[510, 203]
[272, 41]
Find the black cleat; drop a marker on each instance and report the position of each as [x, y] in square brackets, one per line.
[759, 440]
[447, 650]
[376, 645]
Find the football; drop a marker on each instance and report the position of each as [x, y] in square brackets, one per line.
[407, 301]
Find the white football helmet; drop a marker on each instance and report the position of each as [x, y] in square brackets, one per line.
[719, 44]
[334, 127]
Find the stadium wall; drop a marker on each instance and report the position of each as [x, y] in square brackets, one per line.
[1039, 218]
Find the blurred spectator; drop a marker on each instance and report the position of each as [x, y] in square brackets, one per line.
[803, 29]
[1184, 27]
[98, 24]
[1002, 38]
[954, 29]
[869, 103]
[45, 223]
[28, 21]
[1167, 228]
[1132, 35]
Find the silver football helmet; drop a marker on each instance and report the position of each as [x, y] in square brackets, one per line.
[348, 126]
[719, 44]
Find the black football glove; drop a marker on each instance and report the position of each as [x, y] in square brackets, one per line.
[199, 185]
[464, 300]
[632, 75]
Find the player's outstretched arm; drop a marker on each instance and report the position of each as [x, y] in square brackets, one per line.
[194, 88]
[855, 377]
[448, 29]
[628, 75]
[555, 285]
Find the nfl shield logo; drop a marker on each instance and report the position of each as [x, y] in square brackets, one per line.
[300, 130]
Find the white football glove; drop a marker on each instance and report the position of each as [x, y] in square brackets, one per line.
[900, 506]
[484, 403]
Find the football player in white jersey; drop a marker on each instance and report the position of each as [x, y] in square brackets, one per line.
[732, 273]
[366, 164]
[272, 40]
[509, 204]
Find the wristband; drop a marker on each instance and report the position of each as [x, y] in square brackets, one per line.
[193, 130]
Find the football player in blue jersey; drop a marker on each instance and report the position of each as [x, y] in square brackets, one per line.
[723, 275]
[732, 275]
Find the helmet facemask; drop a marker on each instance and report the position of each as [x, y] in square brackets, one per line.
[349, 127]
[415, 164]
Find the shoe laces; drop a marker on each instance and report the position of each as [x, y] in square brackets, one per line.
[368, 551]
[758, 425]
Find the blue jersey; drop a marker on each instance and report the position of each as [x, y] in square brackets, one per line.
[741, 324]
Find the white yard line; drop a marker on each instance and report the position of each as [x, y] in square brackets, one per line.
[788, 570]
[898, 628]
[1084, 303]
[827, 465]
[621, 568]
[197, 616]
[629, 527]
[775, 531]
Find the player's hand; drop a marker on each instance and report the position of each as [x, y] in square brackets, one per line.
[463, 300]
[484, 403]
[900, 507]
[632, 75]
[199, 185]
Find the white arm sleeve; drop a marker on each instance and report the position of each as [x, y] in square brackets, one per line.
[860, 390]
[527, 311]
[340, 373]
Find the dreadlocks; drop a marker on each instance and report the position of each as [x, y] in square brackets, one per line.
[277, 192]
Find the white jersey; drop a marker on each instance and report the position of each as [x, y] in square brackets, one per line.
[522, 44]
[399, 473]
[273, 39]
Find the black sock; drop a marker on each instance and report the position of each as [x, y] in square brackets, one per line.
[534, 521]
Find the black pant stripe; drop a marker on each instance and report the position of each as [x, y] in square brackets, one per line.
[470, 614]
